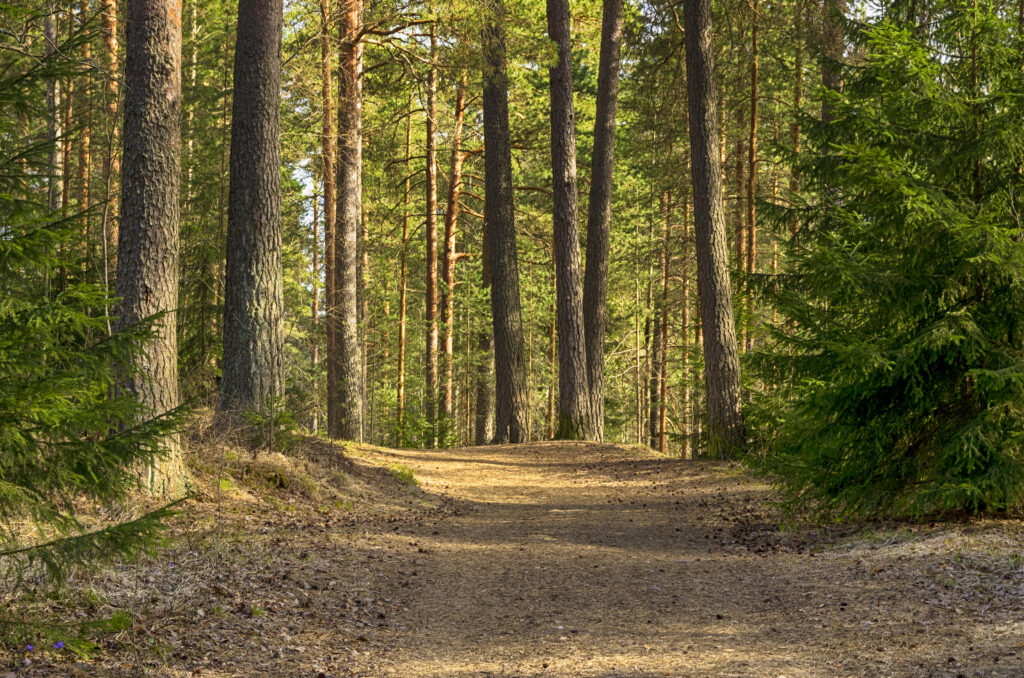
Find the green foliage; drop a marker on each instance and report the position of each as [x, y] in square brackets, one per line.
[404, 474]
[275, 429]
[897, 361]
[71, 442]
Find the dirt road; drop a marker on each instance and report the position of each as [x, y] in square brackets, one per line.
[590, 560]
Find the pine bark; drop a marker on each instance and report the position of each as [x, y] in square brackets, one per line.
[484, 423]
[84, 168]
[833, 49]
[430, 357]
[575, 414]
[55, 188]
[349, 424]
[685, 423]
[252, 368]
[314, 310]
[327, 155]
[599, 215]
[798, 91]
[506, 313]
[451, 220]
[147, 264]
[751, 255]
[726, 434]
[112, 162]
[403, 283]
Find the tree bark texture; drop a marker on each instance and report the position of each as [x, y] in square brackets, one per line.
[484, 424]
[53, 109]
[349, 224]
[726, 434]
[833, 49]
[147, 263]
[506, 313]
[252, 368]
[330, 206]
[599, 215]
[751, 256]
[451, 220]
[113, 163]
[575, 415]
[430, 357]
[403, 283]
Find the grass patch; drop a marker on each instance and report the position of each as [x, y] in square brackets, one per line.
[404, 474]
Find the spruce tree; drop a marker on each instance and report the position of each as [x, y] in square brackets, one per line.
[898, 356]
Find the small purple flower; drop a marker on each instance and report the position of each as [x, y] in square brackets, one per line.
[171, 564]
[30, 647]
[59, 645]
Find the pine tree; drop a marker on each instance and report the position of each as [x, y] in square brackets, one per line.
[71, 440]
[897, 357]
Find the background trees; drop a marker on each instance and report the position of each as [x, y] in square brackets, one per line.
[444, 117]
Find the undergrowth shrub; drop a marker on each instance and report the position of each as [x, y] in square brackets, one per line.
[896, 366]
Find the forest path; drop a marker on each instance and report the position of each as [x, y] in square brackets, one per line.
[597, 560]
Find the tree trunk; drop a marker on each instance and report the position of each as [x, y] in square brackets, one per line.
[314, 311]
[663, 334]
[599, 215]
[348, 224]
[363, 278]
[451, 217]
[726, 434]
[506, 313]
[751, 260]
[833, 49]
[403, 283]
[484, 390]
[112, 161]
[330, 207]
[85, 141]
[430, 358]
[688, 446]
[147, 263]
[798, 91]
[252, 369]
[553, 367]
[654, 381]
[575, 415]
[55, 189]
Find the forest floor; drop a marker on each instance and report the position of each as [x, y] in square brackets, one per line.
[549, 559]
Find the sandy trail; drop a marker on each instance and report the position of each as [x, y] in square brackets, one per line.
[596, 560]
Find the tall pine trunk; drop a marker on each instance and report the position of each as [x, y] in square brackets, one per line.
[84, 169]
[403, 284]
[575, 415]
[314, 310]
[451, 220]
[349, 424]
[53, 109]
[726, 434]
[751, 255]
[330, 206]
[252, 369]
[599, 214]
[484, 424]
[506, 313]
[112, 164]
[430, 357]
[832, 50]
[147, 262]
